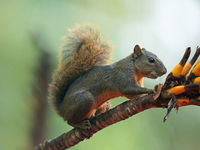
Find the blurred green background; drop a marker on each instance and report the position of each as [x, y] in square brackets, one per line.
[164, 27]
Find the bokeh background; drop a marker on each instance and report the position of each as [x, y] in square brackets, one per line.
[164, 27]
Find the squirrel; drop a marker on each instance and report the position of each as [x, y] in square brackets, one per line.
[85, 81]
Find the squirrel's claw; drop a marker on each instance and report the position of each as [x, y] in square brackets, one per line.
[157, 90]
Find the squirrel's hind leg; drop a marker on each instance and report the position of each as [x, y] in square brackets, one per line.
[80, 107]
[103, 108]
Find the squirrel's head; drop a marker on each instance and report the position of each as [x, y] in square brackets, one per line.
[147, 64]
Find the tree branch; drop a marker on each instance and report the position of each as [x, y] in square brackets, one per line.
[179, 90]
[118, 113]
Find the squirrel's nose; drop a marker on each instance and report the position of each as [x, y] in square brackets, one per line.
[164, 71]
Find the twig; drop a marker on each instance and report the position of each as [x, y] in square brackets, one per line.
[40, 91]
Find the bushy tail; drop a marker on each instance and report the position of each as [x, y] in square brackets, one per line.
[83, 49]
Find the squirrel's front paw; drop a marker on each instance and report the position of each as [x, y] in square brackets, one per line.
[151, 91]
[157, 90]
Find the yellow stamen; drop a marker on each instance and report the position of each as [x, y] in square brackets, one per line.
[183, 102]
[198, 62]
[197, 80]
[186, 69]
[177, 90]
[177, 70]
[196, 70]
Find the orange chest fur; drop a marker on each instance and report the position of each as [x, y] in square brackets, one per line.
[139, 80]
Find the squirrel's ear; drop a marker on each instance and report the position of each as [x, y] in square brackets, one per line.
[137, 51]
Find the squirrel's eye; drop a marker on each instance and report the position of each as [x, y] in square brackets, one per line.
[151, 60]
